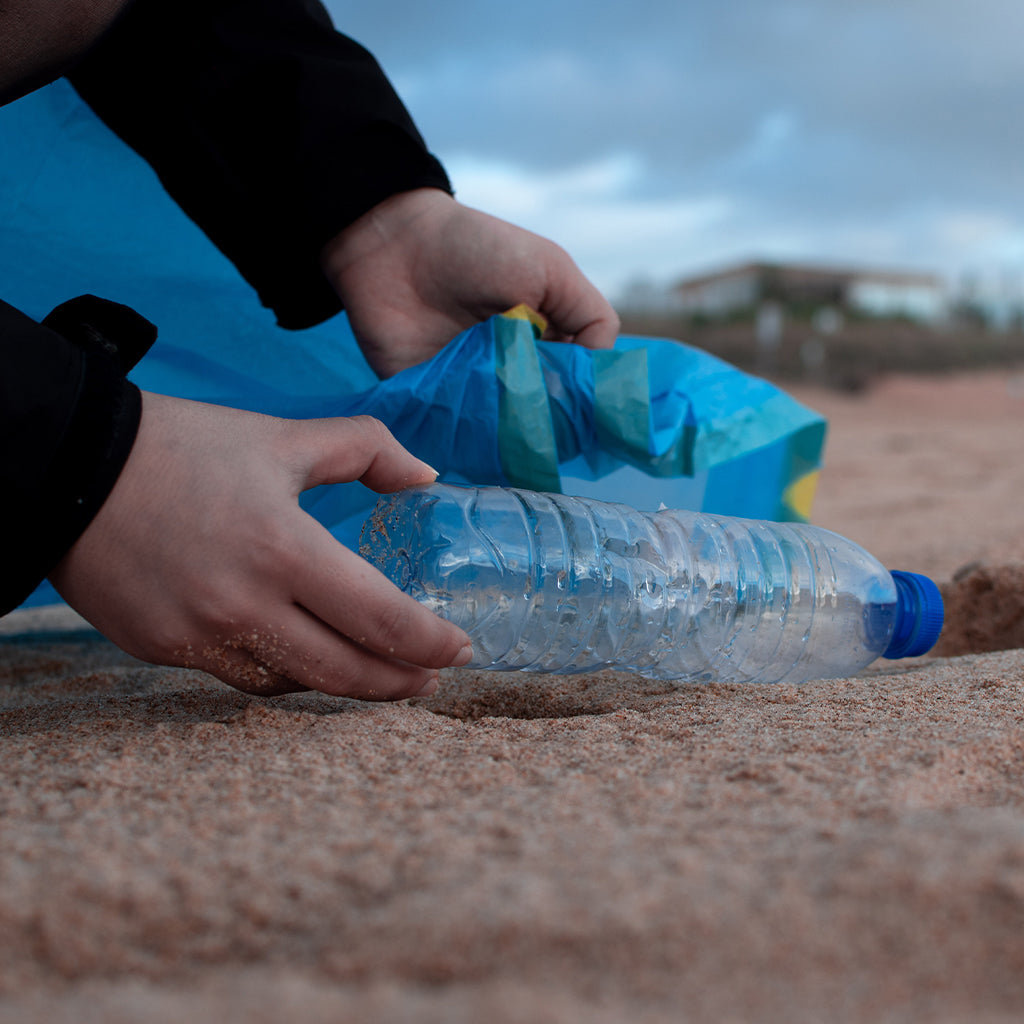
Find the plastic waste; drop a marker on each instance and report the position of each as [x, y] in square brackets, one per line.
[551, 583]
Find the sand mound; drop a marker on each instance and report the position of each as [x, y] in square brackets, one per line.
[984, 610]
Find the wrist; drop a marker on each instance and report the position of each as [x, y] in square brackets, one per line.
[393, 222]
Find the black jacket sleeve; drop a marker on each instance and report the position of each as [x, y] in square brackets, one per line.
[273, 132]
[270, 129]
[69, 421]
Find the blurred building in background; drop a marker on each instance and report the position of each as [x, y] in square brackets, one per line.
[878, 293]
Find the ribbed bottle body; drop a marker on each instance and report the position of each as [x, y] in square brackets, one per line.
[550, 583]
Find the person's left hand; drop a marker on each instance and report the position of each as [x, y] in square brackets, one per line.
[420, 267]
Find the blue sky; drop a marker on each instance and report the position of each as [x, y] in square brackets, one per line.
[662, 137]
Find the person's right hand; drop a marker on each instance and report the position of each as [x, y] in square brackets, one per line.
[202, 557]
[420, 267]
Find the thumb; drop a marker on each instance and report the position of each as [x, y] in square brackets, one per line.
[360, 448]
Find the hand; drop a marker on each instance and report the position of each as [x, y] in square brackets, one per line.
[419, 268]
[202, 557]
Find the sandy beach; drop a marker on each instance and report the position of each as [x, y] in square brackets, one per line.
[521, 848]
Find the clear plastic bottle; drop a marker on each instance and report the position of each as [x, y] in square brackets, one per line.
[550, 583]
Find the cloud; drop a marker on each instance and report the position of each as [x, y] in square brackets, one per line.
[592, 212]
[688, 133]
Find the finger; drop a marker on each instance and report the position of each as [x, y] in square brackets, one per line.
[299, 652]
[358, 448]
[231, 663]
[351, 596]
[576, 309]
[600, 333]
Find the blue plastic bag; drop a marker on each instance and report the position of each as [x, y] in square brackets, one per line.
[650, 423]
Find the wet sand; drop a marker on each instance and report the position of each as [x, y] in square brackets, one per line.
[597, 848]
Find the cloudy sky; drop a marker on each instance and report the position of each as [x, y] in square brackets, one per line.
[664, 137]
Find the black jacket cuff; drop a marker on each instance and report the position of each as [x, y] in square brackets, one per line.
[71, 419]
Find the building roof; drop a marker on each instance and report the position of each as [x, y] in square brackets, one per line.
[806, 274]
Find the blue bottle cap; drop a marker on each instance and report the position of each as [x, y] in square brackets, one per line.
[919, 615]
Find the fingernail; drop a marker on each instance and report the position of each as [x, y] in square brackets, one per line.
[463, 657]
[430, 688]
